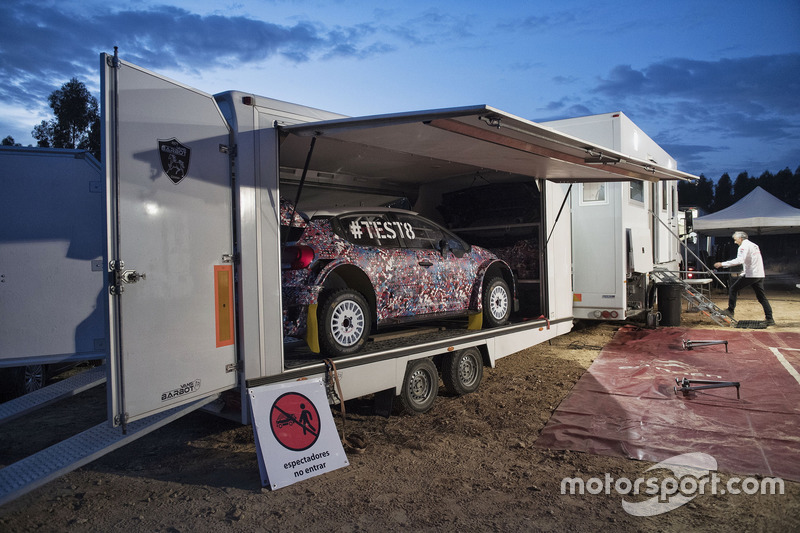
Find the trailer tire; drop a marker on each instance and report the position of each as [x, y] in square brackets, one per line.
[462, 371]
[496, 302]
[344, 322]
[420, 386]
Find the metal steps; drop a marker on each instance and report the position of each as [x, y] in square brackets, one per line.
[52, 393]
[694, 297]
[70, 454]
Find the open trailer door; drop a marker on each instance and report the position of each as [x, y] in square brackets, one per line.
[169, 222]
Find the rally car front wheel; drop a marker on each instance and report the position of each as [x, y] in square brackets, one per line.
[344, 323]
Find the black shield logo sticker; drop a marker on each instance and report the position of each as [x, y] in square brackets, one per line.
[174, 159]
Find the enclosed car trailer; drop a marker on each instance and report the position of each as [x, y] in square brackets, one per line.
[194, 187]
[52, 272]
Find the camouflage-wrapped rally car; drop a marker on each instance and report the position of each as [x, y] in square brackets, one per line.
[352, 270]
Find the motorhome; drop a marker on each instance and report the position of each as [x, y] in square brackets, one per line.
[632, 226]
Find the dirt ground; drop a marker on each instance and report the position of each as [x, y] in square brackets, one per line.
[469, 464]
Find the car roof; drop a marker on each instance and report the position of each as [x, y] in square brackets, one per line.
[336, 211]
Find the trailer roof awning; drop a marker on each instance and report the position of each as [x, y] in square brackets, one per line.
[442, 143]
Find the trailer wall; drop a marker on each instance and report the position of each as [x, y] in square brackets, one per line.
[52, 266]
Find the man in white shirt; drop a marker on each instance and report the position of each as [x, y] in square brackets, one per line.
[749, 255]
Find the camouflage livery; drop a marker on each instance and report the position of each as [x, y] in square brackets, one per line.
[410, 267]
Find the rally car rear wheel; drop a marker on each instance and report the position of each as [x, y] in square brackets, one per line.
[344, 323]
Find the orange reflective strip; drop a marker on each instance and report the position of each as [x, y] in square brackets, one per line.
[223, 300]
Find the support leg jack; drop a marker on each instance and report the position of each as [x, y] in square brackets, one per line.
[686, 386]
[688, 345]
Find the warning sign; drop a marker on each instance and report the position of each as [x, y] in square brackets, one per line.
[294, 421]
[296, 437]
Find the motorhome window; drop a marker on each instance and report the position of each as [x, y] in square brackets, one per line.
[593, 193]
[664, 196]
[369, 230]
[637, 191]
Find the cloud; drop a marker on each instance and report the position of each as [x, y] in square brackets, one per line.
[759, 84]
[43, 48]
[540, 23]
[430, 27]
[741, 102]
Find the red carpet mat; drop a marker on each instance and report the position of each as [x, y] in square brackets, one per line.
[625, 404]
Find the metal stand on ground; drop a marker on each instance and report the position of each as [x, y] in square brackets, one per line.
[690, 345]
[685, 385]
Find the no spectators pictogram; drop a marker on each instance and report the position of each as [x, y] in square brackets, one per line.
[294, 421]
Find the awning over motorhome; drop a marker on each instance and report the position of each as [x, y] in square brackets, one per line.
[452, 142]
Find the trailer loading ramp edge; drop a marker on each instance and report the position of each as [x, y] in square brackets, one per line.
[70, 454]
[52, 393]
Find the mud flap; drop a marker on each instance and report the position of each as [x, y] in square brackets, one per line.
[312, 329]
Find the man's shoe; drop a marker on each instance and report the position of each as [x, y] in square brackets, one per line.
[727, 312]
[770, 322]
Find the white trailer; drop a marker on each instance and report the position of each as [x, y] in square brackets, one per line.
[193, 209]
[621, 231]
[52, 272]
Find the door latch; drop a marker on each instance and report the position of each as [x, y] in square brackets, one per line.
[131, 276]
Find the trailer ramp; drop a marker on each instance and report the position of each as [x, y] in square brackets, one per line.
[693, 295]
[52, 393]
[81, 449]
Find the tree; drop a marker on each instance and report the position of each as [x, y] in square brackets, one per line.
[784, 185]
[697, 194]
[43, 133]
[9, 141]
[76, 121]
[705, 193]
[723, 193]
[743, 185]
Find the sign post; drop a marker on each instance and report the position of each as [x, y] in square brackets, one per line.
[295, 434]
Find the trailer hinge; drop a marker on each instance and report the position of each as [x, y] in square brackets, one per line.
[230, 150]
[115, 278]
[121, 420]
[231, 367]
[230, 258]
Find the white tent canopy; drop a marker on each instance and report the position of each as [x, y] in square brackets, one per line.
[758, 213]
